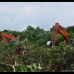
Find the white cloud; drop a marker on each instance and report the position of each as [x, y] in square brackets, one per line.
[43, 14]
[6, 9]
[28, 12]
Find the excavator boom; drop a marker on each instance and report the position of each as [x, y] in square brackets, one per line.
[64, 34]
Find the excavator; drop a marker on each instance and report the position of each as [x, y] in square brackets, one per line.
[59, 29]
[4, 36]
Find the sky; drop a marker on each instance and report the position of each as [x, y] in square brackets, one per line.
[19, 15]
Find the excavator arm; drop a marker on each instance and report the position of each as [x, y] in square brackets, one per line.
[59, 29]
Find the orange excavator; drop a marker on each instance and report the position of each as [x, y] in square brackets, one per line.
[4, 36]
[59, 29]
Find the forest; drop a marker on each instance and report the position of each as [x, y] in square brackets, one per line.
[31, 54]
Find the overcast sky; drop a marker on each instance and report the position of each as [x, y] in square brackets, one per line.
[18, 15]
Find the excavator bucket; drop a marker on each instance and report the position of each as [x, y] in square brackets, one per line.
[9, 36]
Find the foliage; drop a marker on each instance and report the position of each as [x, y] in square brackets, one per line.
[30, 53]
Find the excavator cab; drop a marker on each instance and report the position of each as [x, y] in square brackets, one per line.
[12, 41]
[49, 44]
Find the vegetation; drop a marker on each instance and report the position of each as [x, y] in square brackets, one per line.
[30, 53]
